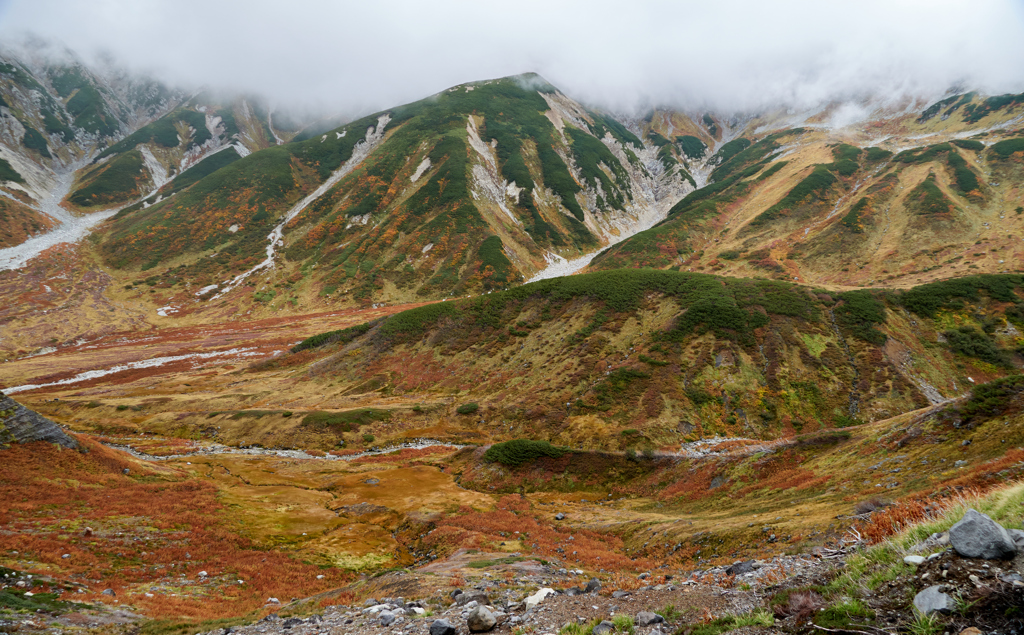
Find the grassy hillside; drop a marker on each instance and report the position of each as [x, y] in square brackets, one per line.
[19, 222]
[632, 357]
[119, 180]
[465, 192]
[835, 213]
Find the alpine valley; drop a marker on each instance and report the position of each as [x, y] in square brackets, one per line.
[710, 369]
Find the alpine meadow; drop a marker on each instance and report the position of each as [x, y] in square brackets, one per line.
[536, 320]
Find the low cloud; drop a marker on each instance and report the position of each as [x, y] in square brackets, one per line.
[729, 55]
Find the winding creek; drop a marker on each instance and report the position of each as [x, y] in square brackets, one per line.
[218, 449]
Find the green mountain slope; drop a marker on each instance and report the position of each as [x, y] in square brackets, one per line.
[467, 191]
[823, 205]
[674, 356]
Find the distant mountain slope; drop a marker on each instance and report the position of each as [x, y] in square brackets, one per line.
[938, 195]
[469, 190]
[55, 111]
[144, 161]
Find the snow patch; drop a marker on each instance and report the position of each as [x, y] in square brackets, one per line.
[427, 248]
[156, 171]
[485, 176]
[362, 219]
[420, 169]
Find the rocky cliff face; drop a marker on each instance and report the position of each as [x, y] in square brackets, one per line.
[18, 424]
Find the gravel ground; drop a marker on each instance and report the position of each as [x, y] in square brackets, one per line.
[694, 597]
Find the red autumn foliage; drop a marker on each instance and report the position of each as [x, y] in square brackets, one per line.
[143, 528]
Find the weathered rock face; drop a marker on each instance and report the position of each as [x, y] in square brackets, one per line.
[978, 536]
[18, 424]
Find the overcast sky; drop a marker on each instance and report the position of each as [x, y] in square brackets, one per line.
[348, 56]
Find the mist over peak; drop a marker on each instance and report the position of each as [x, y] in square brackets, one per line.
[728, 56]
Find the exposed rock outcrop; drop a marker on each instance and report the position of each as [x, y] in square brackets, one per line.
[18, 424]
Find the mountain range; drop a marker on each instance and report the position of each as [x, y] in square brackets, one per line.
[353, 358]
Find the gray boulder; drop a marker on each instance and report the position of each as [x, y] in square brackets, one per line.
[18, 424]
[978, 536]
[933, 600]
[386, 618]
[646, 618]
[480, 620]
[593, 585]
[604, 628]
[740, 568]
[466, 597]
[442, 627]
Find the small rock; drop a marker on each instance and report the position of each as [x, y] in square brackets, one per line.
[971, 630]
[203, 574]
[646, 618]
[442, 627]
[933, 600]
[593, 585]
[620, 594]
[291, 621]
[386, 618]
[604, 628]
[109, 592]
[978, 536]
[644, 575]
[914, 560]
[1017, 536]
[480, 620]
[273, 601]
[66, 556]
[559, 516]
